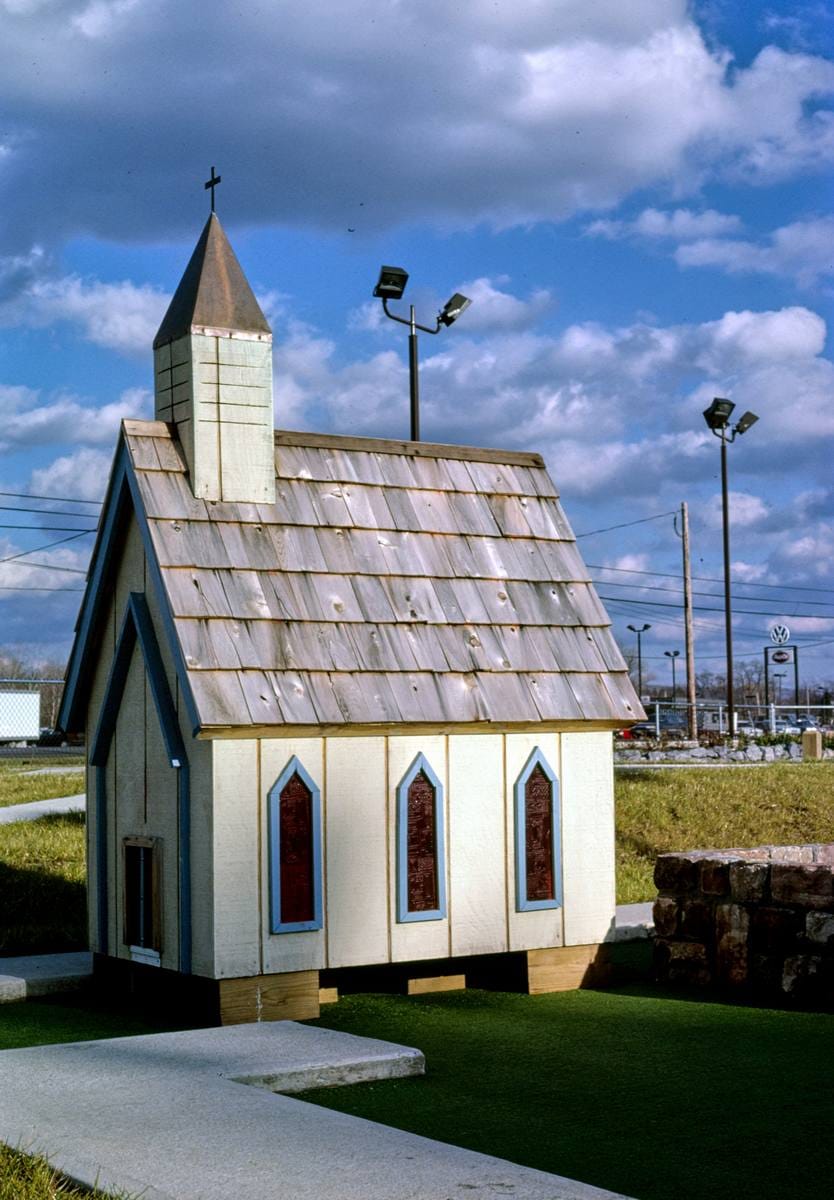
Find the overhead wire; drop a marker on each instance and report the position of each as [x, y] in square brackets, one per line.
[58, 499]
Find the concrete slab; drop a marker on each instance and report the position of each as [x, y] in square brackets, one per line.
[163, 1115]
[634, 922]
[42, 808]
[44, 974]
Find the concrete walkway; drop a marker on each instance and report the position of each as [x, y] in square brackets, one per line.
[168, 1116]
[42, 808]
[43, 974]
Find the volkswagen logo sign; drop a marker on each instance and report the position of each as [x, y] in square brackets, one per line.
[780, 634]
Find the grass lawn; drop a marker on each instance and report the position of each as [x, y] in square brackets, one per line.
[688, 809]
[16, 787]
[42, 884]
[658, 1097]
[23, 1177]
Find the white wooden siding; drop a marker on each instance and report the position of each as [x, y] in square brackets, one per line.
[477, 856]
[237, 944]
[305, 950]
[588, 837]
[356, 849]
[541, 927]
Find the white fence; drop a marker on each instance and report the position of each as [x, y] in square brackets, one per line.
[752, 720]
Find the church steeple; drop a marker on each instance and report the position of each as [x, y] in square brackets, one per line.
[213, 294]
[213, 361]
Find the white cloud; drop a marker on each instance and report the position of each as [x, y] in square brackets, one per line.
[511, 114]
[119, 316]
[101, 17]
[29, 420]
[801, 250]
[746, 511]
[682, 224]
[82, 474]
[760, 337]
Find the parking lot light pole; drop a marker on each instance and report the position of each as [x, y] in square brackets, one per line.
[673, 654]
[390, 286]
[642, 629]
[717, 417]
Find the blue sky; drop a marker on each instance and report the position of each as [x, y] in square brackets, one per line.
[637, 197]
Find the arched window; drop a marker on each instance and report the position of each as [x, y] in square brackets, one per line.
[538, 879]
[421, 864]
[294, 815]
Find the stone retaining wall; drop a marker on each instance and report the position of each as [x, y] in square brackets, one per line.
[757, 921]
[623, 753]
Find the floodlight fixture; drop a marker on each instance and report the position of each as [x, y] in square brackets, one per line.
[391, 283]
[747, 419]
[453, 308]
[390, 286]
[717, 416]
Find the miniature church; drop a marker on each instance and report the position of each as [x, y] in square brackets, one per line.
[348, 702]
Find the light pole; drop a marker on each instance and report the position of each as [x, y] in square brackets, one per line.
[642, 629]
[673, 654]
[390, 286]
[780, 675]
[717, 417]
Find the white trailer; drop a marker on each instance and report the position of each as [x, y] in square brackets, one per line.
[20, 716]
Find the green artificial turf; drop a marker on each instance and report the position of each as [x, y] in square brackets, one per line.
[654, 1096]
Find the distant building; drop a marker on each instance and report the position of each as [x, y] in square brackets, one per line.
[348, 702]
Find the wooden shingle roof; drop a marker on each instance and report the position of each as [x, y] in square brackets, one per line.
[389, 584]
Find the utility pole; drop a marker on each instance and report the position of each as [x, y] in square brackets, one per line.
[689, 635]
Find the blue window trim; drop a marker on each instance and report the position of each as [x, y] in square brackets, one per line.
[274, 826]
[522, 904]
[137, 626]
[420, 763]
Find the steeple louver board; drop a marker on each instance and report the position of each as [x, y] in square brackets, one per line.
[213, 376]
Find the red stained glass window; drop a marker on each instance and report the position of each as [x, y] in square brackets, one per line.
[296, 841]
[422, 846]
[538, 834]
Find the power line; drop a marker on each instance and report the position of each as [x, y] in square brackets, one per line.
[655, 587]
[51, 528]
[749, 612]
[10, 588]
[48, 546]
[46, 512]
[59, 499]
[795, 587]
[625, 524]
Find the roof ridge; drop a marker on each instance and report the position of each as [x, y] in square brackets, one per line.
[338, 441]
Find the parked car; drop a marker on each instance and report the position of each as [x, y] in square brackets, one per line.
[748, 729]
[671, 725]
[783, 726]
[50, 737]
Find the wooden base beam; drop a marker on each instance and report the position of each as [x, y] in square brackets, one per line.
[435, 983]
[565, 968]
[290, 997]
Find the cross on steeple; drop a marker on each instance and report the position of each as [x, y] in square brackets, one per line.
[212, 183]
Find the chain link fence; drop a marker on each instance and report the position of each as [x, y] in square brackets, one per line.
[671, 720]
[28, 719]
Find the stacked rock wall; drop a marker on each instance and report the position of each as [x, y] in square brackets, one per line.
[759, 921]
